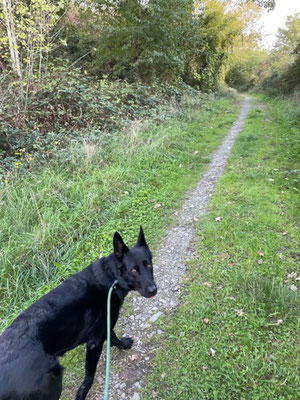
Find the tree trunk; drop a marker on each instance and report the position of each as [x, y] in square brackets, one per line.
[11, 34]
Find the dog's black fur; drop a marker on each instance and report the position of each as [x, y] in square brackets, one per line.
[71, 314]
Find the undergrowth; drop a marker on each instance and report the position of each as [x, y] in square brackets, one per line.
[67, 106]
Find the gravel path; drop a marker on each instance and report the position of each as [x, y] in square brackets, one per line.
[129, 367]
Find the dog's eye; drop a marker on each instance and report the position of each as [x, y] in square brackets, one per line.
[149, 266]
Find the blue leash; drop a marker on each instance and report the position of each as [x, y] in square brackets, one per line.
[108, 341]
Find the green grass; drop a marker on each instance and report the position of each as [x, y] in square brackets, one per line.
[57, 218]
[239, 300]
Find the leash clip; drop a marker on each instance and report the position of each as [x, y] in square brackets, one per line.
[114, 285]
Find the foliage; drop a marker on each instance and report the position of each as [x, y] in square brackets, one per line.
[235, 334]
[268, 4]
[244, 67]
[242, 70]
[137, 40]
[217, 28]
[29, 39]
[288, 37]
[281, 72]
[68, 104]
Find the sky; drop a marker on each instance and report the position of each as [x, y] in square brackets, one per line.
[275, 19]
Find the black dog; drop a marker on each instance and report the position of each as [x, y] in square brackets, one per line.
[71, 314]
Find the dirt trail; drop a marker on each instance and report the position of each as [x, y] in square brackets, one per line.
[129, 367]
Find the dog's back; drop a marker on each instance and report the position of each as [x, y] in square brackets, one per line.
[27, 372]
[52, 325]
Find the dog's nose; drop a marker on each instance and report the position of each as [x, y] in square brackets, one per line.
[152, 290]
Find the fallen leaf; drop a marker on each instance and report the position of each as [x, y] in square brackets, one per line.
[176, 213]
[260, 253]
[212, 352]
[163, 375]
[292, 275]
[260, 261]
[154, 394]
[280, 255]
[279, 322]
[204, 367]
[240, 312]
[284, 233]
[180, 165]
[206, 320]
[294, 288]
[196, 152]
[196, 219]
[208, 284]
[157, 205]
[295, 255]
[218, 219]
[284, 382]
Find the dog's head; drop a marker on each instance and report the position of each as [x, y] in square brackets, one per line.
[135, 270]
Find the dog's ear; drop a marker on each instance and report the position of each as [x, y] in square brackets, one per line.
[120, 247]
[141, 239]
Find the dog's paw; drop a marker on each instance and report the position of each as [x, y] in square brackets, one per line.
[125, 343]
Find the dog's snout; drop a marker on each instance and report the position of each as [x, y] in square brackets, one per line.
[152, 290]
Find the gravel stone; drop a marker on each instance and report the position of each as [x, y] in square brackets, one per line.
[169, 270]
[155, 316]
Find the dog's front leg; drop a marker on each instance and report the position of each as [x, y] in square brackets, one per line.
[93, 353]
[124, 344]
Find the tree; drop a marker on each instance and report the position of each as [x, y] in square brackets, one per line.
[143, 40]
[288, 37]
[281, 73]
[29, 38]
[246, 55]
[218, 24]
[8, 15]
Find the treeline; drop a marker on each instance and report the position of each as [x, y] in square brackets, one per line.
[137, 40]
[276, 72]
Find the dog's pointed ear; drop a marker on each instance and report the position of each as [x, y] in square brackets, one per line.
[141, 239]
[120, 247]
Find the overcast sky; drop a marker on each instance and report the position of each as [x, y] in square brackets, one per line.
[275, 19]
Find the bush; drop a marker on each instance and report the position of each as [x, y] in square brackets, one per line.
[68, 105]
